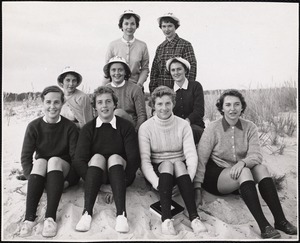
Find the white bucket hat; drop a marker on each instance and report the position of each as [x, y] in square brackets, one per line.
[129, 11]
[68, 69]
[170, 15]
[115, 59]
[179, 59]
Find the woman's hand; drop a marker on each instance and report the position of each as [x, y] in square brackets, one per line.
[198, 197]
[236, 170]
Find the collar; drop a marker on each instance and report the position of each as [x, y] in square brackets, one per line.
[59, 119]
[120, 85]
[171, 42]
[130, 42]
[226, 125]
[184, 86]
[113, 122]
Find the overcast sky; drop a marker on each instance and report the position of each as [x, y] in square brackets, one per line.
[237, 44]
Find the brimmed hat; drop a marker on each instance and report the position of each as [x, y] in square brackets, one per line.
[68, 69]
[179, 59]
[115, 59]
[170, 15]
[129, 11]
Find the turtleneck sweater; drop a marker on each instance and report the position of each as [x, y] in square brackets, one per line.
[166, 140]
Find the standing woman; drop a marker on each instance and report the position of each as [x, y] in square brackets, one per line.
[107, 152]
[169, 157]
[189, 96]
[77, 107]
[131, 100]
[53, 139]
[230, 162]
[134, 51]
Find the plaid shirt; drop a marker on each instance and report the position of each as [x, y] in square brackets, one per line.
[174, 48]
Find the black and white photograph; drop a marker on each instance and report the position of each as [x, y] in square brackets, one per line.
[109, 107]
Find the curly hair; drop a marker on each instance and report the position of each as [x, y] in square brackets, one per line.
[50, 89]
[230, 92]
[159, 92]
[104, 90]
[128, 16]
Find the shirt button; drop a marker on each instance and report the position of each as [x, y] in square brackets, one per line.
[232, 127]
[232, 137]
[232, 146]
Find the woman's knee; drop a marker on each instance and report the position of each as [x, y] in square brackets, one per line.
[180, 168]
[98, 160]
[166, 167]
[245, 175]
[116, 159]
[39, 167]
[260, 172]
[56, 163]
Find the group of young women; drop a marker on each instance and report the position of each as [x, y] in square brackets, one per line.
[106, 141]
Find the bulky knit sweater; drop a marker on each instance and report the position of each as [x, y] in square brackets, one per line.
[226, 145]
[48, 140]
[106, 140]
[131, 99]
[166, 140]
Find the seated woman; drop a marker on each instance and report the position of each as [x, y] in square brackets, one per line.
[77, 107]
[169, 157]
[131, 105]
[189, 96]
[107, 145]
[230, 162]
[53, 138]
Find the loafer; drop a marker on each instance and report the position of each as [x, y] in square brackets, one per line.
[50, 228]
[26, 228]
[167, 227]
[286, 227]
[270, 233]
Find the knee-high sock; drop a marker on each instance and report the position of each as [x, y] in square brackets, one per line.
[268, 192]
[165, 185]
[250, 197]
[92, 185]
[35, 188]
[187, 192]
[55, 187]
[118, 185]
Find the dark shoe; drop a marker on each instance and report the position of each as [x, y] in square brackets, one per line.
[270, 233]
[286, 227]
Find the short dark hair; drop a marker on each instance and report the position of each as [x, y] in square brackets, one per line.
[168, 20]
[160, 91]
[176, 61]
[230, 92]
[104, 90]
[127, 71]
[50, 89]
[128, 16]
[62, 77]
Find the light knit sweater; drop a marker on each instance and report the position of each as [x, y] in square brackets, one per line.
[136, 55]
[131, 99]
[79, 103]
[166, 140]
[226, 145]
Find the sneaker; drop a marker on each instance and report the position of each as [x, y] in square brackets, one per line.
[286, 227]
[26, 228]
[84, 223]
[122, 224]
[50, 228]
[167, 227]
[198, 226]
[270, 233]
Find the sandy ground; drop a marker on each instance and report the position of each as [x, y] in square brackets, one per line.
[226, 218]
